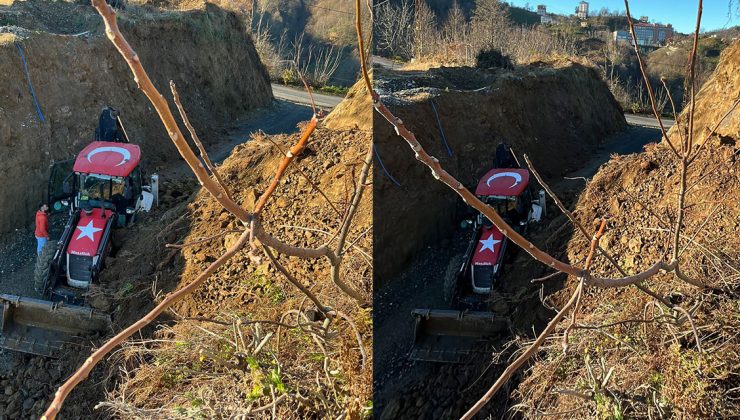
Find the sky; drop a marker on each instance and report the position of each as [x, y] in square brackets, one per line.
[716, 14]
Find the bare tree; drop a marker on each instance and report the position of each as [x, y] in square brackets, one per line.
[490, 23]
[426, 34]
[456, 35]
[393, 28]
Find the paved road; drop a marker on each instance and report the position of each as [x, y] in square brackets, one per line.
[386, 63]
[648, 121]
[292, 94]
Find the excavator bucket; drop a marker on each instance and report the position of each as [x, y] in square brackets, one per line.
[452, 336]
[42, 327]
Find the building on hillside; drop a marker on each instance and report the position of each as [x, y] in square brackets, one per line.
[582, 10]
[647, 34]
[545, 19]
[621, 36]
[541, 9]
[651, 34]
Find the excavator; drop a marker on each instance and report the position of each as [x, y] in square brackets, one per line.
[102, 189]
[457, 333]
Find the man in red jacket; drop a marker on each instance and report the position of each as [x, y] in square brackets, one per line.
[42, 227]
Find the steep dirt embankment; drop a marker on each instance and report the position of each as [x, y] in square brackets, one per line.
[355, 111]
[658, 366]
[206, 52]
[555, 114]
[715, 98]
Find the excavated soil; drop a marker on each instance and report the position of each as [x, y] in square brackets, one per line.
[352, 111]
[569, 127]
[657, 367]
[715, 98]
[75, 71]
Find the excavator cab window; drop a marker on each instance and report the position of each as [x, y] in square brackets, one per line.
[99, 190]
[503, 205]
[134, 185]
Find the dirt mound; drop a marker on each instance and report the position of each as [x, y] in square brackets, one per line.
[53, 17]
[714, 99]
[352, 112]
[656, 366]
[554, 114]
[173, 373]
[73, 77]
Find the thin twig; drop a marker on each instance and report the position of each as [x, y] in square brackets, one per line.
[693, 326]
[358, 337]
[196, 140]
[285, 161]
[309, 180]
[321, 307]
[582, 229]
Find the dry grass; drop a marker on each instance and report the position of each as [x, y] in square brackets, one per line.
[7, 38]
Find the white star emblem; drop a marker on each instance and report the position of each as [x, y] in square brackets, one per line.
[488, 243]
[88, 231]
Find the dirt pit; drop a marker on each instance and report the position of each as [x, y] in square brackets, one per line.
[75, 71]
[564, 118]
[177, 367]
[554, 114]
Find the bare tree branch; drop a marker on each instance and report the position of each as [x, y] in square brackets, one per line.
[532, 349]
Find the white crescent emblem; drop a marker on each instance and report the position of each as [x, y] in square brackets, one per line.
[516, 176]
[125, 154]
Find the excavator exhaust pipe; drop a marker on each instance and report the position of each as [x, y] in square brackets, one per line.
[452, 336]
[42, 327]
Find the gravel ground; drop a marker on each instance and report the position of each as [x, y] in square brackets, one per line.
[17, 261]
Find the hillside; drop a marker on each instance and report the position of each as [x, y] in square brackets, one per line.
[632, 358]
